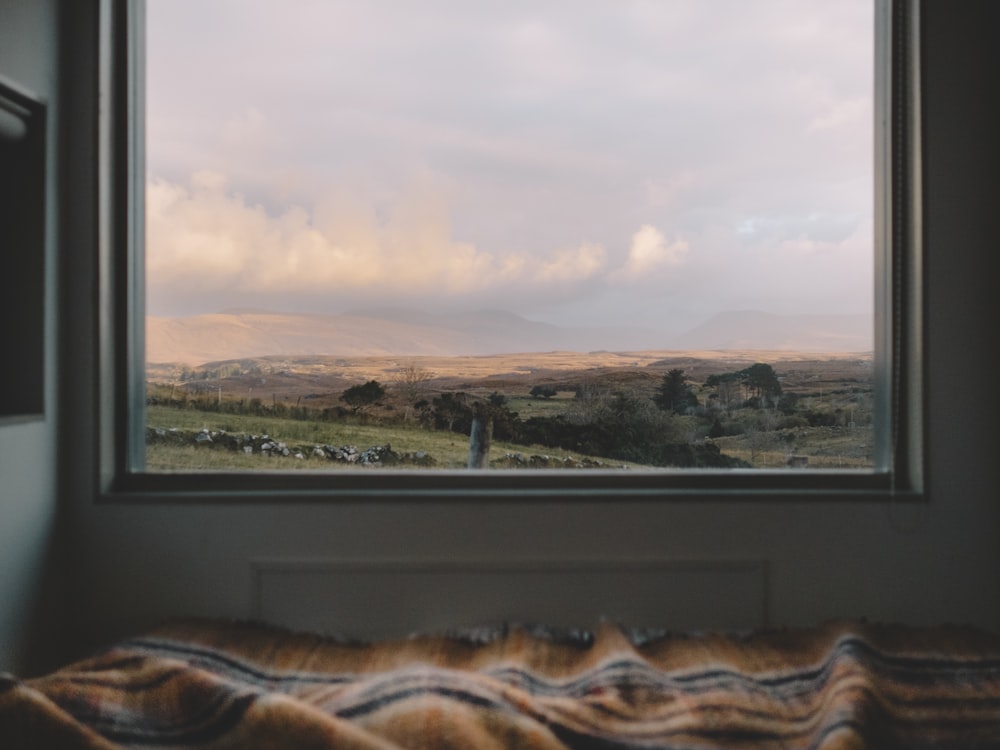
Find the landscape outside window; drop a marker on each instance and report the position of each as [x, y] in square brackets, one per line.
[418, 235]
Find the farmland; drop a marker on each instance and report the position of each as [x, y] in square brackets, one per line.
[608, 406]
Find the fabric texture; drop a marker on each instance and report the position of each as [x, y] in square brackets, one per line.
[212, 684]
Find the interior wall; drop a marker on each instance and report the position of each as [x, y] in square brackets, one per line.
[961, 123]
[28, 495]
[938, 561]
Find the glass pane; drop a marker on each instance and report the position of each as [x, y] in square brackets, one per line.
[398, 234]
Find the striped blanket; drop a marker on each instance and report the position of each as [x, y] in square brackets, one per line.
[210, 684]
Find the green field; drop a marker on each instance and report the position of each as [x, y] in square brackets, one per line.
[449, 449]
[528, 407]
[807, 411]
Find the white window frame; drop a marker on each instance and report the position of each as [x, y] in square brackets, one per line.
[898, 370]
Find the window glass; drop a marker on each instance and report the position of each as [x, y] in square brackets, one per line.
[515, 235]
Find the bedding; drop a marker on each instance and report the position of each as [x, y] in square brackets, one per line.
[218, 684]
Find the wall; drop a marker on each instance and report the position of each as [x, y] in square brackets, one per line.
[935, 562]
[28, 506]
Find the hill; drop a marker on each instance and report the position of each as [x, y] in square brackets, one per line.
[237, 334]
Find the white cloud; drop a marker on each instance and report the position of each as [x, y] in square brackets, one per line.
[205, 239]
[651, 254]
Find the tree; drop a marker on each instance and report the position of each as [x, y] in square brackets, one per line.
[674, 394]
[727, 385]
[360, 397]
[411, 382]
[761, 437]
[761, 381]
[451, 412]
[505, 424]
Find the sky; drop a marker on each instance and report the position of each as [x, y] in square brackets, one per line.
[574, 161]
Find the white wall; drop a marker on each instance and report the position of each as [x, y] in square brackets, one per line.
[936, 562]
[28, 584]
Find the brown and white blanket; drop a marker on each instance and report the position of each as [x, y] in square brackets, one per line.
[210, 684]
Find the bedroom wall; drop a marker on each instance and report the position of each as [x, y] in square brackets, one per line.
[394, 567]
[28, 506]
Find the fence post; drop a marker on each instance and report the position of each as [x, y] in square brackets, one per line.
[479, 439]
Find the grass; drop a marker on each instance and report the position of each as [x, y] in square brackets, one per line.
[449, 449]
[527, 407]
[825, 447]
[195, 458]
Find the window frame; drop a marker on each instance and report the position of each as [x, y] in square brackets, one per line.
[898, 365]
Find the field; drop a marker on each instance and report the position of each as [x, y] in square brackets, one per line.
[449, 449]
[297, 400]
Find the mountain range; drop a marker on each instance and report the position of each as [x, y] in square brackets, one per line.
[238, 333]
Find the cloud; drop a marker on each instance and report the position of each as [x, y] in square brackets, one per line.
[650, 254]
[204, 239]
[606, 159]
[810, 268]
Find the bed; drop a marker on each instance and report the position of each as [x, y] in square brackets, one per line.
[222, 684]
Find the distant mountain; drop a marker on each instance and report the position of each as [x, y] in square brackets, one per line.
[239, 333]
[248, 333]
[754, 329]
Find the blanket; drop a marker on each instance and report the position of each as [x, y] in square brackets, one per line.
[220, 685]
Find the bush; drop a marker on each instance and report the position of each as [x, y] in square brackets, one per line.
[360, 396]
[542, 391]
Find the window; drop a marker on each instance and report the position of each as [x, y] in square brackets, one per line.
[390, 235]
